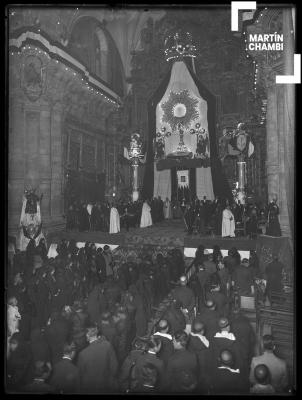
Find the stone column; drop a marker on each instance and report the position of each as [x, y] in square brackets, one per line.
[272, 142]
[16, 163]
[282, 195]
[45, 162]
[56, 190]
[32, 146]
[289, 120]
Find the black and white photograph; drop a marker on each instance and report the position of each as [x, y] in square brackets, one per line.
[150, 199]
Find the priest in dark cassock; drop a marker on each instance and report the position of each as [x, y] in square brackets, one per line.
[217, 212]
[273, 228]
[202, 217]
[189, 217]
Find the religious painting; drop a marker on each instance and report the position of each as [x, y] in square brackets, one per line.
[183, 178]
[33, 77]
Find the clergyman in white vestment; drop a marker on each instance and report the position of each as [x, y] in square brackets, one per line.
[146, 219]
[114, 221]
[228, 223]
[167, 209]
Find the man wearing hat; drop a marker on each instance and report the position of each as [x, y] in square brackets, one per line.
[209, 264]
[209, 316]
[226, 377]
[148, 371]
[162, 332]
[175, 317]
[65, 375]
[215, 294]
[277, 366]
[232, 259]
[107, 327]
[202, 276]
[224, 339]
[139, 346]
[262, 385]
[242, 278]
[186, 297]
[243, 331]
[180, 361]
[273, 275]
[97, 364]
[199, 345]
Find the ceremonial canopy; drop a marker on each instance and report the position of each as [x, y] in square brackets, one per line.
[182, 150]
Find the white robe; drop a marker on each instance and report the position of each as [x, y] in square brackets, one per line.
[114, 221]
[13, 317]
[146, 219]
[167, 209]
[26, 220]
[228, 223]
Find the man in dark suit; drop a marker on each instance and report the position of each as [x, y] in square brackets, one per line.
[175, 317]
[65, 375]
[148, 371]
[19, 367]
[273, 274]
[167, 348]
[185, 296]
[97, 364]
[224, 339]
[209, 316]
[242, 278]
[243, 331]
[39, 347]
[219, 298]
[182, 362]
[226, 379]
[198, 344]
[56, 334]
[107, 327]
[38, 385]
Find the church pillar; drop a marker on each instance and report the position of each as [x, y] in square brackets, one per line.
[16, 162]
[272, 140]
[288, 93]
[56, 190]
[45, 162]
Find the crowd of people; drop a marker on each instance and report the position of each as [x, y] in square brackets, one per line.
[219, 217]
[80, 323]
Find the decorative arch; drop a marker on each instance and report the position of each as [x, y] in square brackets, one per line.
[92, 44]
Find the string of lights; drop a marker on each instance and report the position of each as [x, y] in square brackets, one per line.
[256, 70]
[87, 80]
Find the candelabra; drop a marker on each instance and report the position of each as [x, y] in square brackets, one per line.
[135, 154]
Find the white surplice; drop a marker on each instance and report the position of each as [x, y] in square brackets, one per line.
[114, 221]
[167, 209]
[146, 219]
[228, 223]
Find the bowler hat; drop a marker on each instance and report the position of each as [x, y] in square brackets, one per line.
[209, 303]
[223, 322]
[261, 372]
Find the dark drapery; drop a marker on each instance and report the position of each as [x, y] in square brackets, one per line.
[174, 183]
[220, 184]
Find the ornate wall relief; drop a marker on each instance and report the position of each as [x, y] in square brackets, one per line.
[33, 77]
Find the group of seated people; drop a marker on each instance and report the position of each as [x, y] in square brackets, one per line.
[84, 323]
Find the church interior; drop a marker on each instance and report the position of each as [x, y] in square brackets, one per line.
[150, 200]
